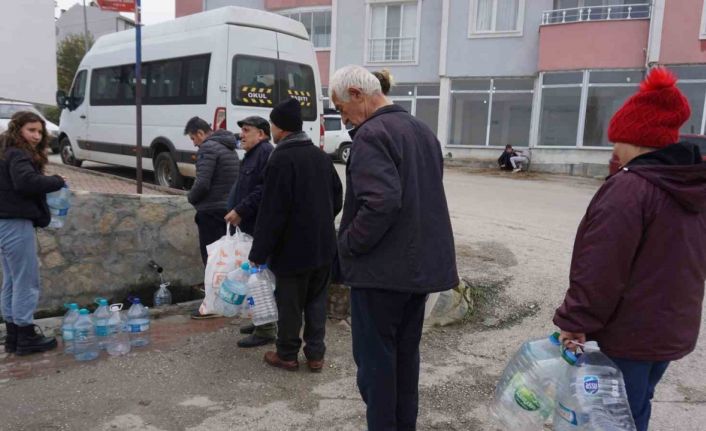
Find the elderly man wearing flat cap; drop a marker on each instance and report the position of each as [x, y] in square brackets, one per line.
[244, 201]
[295, 235]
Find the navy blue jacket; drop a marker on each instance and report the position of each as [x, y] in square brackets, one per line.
[23, 188]
[395, 232]
[302, 195]
[217, 167]
[246, 193]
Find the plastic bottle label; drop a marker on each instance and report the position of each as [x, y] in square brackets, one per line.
[525, 398]
[590, 385]
[102, 331]
[140, 327]
[567, 414]
[67, 334]
[82, 335]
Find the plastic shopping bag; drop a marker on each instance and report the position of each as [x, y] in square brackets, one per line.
[223, 257]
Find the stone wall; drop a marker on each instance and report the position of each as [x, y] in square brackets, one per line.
[107, 242]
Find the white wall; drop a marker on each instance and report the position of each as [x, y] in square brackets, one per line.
[28, 47]
[100, 22]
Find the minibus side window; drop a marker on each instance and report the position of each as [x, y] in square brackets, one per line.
[78, 90]
[297, 81]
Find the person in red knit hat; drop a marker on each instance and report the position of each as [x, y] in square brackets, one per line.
[639, 260]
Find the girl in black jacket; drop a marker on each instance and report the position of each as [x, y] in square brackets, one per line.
[23, 206]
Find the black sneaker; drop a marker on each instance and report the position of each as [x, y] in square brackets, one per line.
[31, 339]
[254, 341]
[198, 316]
[247, 329]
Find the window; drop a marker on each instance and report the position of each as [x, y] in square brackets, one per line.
[332, 123]
[392, 35]
[427, 110]
[265, 82]
[696, 94]
[603, 102]
[78, 90]
[596, 10]
[163, 82]
[317, 24]
[559, 116]
[491, 112]
[496, 18]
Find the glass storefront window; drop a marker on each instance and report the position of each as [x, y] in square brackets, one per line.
[510, 119]
[428, 90]
[563, 78]
[526, 84]
[603, 102]
[696, 94]
[559, 116]
[471, 84]
[616, 77]
[428, 112]
[469, 119]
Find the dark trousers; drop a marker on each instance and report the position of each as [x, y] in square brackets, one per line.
[211, 227]
[296, 294]
[386, 328]
[641, 378]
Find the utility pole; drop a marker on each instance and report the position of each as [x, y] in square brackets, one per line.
[86, 39]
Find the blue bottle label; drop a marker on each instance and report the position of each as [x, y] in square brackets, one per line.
[102, 331]
[590, 385]
[67, 334]
[140, 328]
[567, 414]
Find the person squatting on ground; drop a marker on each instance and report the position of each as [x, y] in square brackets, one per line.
[217, 168]
[296, 236]
[23, 193]
[244, 202]
[395, 243]
[639, 261]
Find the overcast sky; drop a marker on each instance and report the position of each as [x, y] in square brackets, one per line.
[153, 11]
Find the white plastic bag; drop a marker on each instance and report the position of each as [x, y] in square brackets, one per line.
[223, 257]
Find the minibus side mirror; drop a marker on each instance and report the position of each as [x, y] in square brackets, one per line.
[61, 99]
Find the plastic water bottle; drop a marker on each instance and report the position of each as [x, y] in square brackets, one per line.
[267, 274]
[162, 297]
[85, 343]
[138, 320]
[233, 291]
[59, 203]
[261, 299]
[67, 327]
[100, 319]
[119, 339]
[592, 395]
[524, 396]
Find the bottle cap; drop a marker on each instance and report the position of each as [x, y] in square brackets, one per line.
[72, 306]
[102, 302]
[245, 266]
[83, 311]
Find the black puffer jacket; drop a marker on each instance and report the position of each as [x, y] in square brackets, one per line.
[23, 188]
[217, 166]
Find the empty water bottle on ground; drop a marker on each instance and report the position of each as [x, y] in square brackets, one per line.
[524, 396]
[591, 395]
[67, 327]
[233, 291]
[100, 319]
[138, 320]
[261, 299]
[119, 339]
[162, 297]
[85, 343]
[59, 203]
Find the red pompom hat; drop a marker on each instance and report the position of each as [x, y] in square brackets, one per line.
[652, 117]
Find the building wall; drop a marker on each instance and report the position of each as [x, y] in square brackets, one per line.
[31, 74]
[593, 45]
[352, 35]
[323, 58]
[187, 7]
[253, 4]
[493, 56]
[680, 33]
[99, 22]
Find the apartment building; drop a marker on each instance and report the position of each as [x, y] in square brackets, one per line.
[542, 74]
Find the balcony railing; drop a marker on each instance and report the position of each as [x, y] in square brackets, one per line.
[392, 49]
[596, 13]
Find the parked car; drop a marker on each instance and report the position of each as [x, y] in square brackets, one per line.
[700, 140]
[221, 65]
[337, 141]
[8, 108]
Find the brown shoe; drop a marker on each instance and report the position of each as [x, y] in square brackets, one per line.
[315, 366]
[273, 359]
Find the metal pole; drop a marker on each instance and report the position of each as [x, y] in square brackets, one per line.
[85, 27]
[138, 92]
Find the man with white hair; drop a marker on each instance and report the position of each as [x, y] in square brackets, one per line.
[395, 243]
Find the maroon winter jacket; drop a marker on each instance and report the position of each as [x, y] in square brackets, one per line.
[639, 263]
